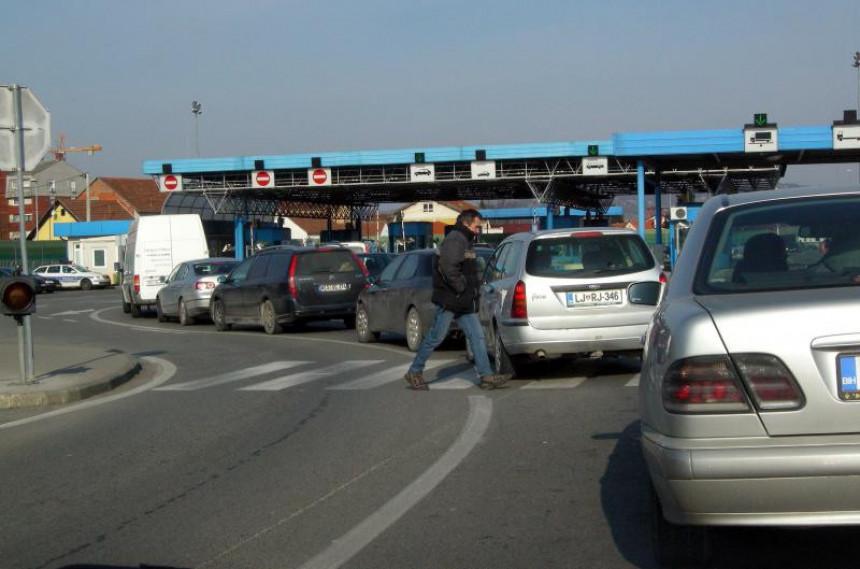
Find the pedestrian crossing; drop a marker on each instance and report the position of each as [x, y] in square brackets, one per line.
[364, 375]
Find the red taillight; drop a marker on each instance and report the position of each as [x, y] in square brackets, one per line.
[204, 285]
[663, 278]
[771, 384]
[361, 265]
[519, 307]
[294, 289]
[703, 384]
[586, 234]
[136, 282]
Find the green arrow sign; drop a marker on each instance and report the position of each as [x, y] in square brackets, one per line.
[593, 150]
[760, 119]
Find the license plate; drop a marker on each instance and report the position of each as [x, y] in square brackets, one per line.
[595, 298]
[335, 287]
[847, 365]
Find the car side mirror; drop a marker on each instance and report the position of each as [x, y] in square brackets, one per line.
[162, 280]
[222, 279]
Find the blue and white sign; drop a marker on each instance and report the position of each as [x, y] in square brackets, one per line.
[848, 388]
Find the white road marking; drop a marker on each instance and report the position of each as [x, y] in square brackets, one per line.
[633, 382]
[462, 380]
[43, 317]
[72, 312]
[232, 376]
[70, 320]
[166, 371]
[310, 375]
[380, 378]
[346, 547]
[566, 383]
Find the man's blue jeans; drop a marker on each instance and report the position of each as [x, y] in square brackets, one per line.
[471, 327]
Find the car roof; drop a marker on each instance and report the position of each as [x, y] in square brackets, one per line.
[549, 233]
[729, 200]
[214, 260]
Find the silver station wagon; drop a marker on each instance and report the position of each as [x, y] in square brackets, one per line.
[748, 394]
[568, 292]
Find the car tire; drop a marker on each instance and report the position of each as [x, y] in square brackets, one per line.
[268, 318]
[219, 315]
[185, 319]
[136, 311]
[159, 311]
[414, 329]
[676, 545]
[86, 284]
[126, 307]
[503, 363]
[362, 326]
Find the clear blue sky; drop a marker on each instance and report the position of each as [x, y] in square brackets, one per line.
[279, 77]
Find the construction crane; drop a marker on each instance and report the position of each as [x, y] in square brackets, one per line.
[61, 150]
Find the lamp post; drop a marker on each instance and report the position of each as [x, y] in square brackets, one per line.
[196, 110]
[856, 65]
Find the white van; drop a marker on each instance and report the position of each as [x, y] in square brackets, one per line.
[155, 245]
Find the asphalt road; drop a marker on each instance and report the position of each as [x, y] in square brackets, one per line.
[306, 450]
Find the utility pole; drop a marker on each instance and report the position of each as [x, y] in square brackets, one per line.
[856, 66]
[87, 183]
[196, 110]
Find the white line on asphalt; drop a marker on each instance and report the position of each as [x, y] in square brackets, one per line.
[566, 383]
[378, 379]
[232, 376]
[72, 312]
[96, 316]
[43, 317]
[166, 371]
[70, 320]
[343, 549]
[633, 382]
[286, 381]
[462, 380]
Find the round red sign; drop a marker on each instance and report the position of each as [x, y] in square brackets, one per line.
[263, 178]
[320, 176]
[170, 183]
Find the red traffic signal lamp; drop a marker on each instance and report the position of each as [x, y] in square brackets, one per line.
[17, 296]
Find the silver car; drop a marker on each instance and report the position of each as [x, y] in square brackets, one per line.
[568, 292]
[749, 393]
[186, 292]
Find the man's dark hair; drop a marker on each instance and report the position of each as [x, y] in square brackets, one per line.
[467, 216]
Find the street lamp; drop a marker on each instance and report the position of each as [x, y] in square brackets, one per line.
[196, 110]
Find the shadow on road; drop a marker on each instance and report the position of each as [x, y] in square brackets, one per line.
[143, 566]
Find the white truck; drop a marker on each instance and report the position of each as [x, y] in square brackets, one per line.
[155, 245]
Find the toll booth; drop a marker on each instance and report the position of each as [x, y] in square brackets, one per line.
[409, 236]
[681, 218]
[341, 235]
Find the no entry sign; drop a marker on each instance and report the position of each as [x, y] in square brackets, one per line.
[319, 177]
[170, 183]
[263, 179]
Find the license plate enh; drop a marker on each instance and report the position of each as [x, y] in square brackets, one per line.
[338, 287]
[595, 298]
[847, 366]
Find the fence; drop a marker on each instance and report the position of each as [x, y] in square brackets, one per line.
[38, 253]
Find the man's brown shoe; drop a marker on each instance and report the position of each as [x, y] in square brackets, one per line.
[494, 381]
[416, 381]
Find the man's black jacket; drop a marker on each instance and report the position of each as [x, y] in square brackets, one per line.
[456, 281]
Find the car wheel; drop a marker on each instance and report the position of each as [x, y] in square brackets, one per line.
[159, 311]
[676, 545]
[219, 315]
[185, 319]
[414, 330]
[126, 306]
[86, 284]
[135, 310]
[502, 361]
[362, 326]
[268, 318]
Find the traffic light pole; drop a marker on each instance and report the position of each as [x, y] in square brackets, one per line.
[25, 332]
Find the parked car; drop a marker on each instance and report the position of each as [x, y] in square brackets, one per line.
[187, 290]
[749, 396]
[568, 292]
[283, 286]
[358, 247]
[155, 245]
[43, 284]
[375, 262]
[399, 300]
[73, 276]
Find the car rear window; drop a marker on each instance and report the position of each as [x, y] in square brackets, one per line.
[590, 255]
[327, 262]
[204, 269]
[793, 244]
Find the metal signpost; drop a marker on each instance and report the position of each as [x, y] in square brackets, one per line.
[25, 125]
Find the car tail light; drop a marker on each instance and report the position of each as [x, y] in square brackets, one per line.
[703, 384]
[136, 282]
[772, 386]
[663, 278]
[519, 307]
[586, 234]
[204, 285]
[361, 265]
[294, 289]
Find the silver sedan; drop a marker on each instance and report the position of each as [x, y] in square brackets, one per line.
[187, 290]
[749, 390]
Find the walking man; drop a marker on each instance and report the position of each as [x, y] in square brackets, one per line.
[456, 284]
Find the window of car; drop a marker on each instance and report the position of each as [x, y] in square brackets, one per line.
[408, 269]
[40, 270]
[794, 244]
[54, 269]
[207, 269]
[172, 277]
[493, 271]
[586, 254]
[388, 272]
[511, 262]
[279, 265]
[337, 261]
[240, 273]
[67, 270]
[259, 267]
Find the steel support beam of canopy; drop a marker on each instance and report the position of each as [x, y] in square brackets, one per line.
[640, 196]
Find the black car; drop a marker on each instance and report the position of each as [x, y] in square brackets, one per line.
[287, 285]
[376, 262]
[42, 284]
[399, 299]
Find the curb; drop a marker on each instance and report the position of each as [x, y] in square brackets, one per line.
[68, 395]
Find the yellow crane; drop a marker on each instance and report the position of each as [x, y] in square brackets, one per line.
[61, 150]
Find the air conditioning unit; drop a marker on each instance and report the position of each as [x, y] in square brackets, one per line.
[678, 213]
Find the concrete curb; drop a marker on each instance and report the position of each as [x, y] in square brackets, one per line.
[26, 396]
